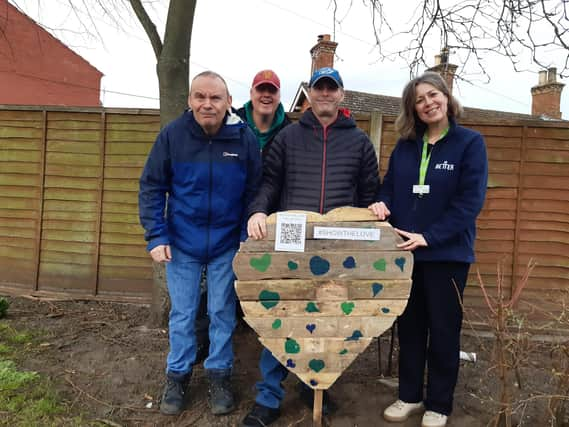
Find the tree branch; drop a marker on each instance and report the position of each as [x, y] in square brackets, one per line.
[148, 26]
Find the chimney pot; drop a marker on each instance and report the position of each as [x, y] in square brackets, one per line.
[437, 59]
[542, 77]
[322, 37]
[552, 75]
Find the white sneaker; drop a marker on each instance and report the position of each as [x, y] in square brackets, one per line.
[400, 411]
[434, 419]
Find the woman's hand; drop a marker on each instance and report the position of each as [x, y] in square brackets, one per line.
[414, 240]
[257, 226]
[380, 210]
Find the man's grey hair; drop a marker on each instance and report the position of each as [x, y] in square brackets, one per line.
[211, 74]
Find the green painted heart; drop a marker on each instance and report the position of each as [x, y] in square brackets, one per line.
[261, 264]
[379, 264]
[277, 324]
[311, 307]
[347, 307]
[316, 365]
[269, 299]
[292, 265]
[291, 346]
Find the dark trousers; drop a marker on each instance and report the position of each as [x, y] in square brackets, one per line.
[429, 332]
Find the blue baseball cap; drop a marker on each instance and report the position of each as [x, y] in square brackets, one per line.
[326, 73]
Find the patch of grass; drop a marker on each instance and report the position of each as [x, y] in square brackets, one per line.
[27, 398]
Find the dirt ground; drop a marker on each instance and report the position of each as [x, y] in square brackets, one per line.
[109, 366]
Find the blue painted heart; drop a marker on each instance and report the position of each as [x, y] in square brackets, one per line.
[385, 310]
[319, 266]
[376, 288]
[313, 383]
[290, 364]
[400, 262]
[356, 335]
[310, 327]
[349, 262]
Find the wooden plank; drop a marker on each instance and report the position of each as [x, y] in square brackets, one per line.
[26, 233]
[73, 124]
[121, 218]
[329, 289]
[124, 160]
[77, 272]
[502, 180]
[123, 172]
[128, 200]
[13, 132]
[547, 133]
[122, 185]
[19, 253]
[20, 144]
[487, 224]
[69, 215]
[19, 168]
[504, 154]
[20, 180]
[552, 206]
[548, 194]
[62, 193]
[545, 216]
[121, 272]
[124, 261]
[318, 345]
[69, 205]
[129, 147]
[545, 182]
[69, 236]
[17, 204]
[66, 258]
[21, 116]
[67, 225]
[55, 118]
[72, 159]
[68, 247]
[544, 236]
[78, 135]
[548, 156]
[73, 147]
[17, 242]
[344, 265]
[12, 191]
[497, 143]
[122, 228]
[344, 214]
[127, 239]
[311, 308]
[350, 328]
[114, 206]
[498, 166]
[546, 169]
[558, 226]
[131, 135]
[74, 171]
[17, 223]
[20, 156]
[136, 251]
[388, 240]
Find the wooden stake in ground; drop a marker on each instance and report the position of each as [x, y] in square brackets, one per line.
[317, 409]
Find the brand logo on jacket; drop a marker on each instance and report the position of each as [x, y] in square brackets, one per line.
[445, 166]
[226, 154]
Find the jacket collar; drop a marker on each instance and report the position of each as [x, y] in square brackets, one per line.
[230, 129]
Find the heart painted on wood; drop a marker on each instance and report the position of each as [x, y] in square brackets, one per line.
[316, 365]
[347, 307]
[269, 299]
[261, 264]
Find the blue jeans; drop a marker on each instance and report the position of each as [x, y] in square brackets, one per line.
[270, 392]
[183, 277]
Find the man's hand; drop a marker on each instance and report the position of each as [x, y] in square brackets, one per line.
[257, 226]
[414, 240]
[161, 253]
[380, 210]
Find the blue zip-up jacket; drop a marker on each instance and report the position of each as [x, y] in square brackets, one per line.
[206, 182]
[446, 217]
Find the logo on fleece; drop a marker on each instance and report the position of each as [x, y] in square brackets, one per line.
[445, 166]
[226, 154]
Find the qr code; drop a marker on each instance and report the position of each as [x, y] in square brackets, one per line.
[291, 234]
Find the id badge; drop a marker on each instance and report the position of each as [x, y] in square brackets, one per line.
[421, 189]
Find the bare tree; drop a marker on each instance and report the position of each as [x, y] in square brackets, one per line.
[475, 30]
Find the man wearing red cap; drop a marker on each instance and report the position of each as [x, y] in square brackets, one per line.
[264, 113]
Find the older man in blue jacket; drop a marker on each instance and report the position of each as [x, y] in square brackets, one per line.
[201, 173]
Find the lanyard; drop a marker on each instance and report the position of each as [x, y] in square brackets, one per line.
[425, 158]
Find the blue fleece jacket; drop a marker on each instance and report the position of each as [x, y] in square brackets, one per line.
[457, 175]
[195, 189]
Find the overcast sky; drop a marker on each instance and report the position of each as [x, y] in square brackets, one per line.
[239, 38]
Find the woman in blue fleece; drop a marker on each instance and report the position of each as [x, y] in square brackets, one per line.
[432, 193]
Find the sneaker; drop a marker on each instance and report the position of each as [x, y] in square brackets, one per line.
[400, 411]
[434, 419]
[174, 396]
[261, 416]
[306, 395]
[219, 395]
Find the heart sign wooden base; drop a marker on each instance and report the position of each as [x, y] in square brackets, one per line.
[317, 310]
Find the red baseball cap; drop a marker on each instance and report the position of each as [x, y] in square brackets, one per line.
[266, 76]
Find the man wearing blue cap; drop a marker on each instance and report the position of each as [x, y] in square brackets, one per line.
[329, 163]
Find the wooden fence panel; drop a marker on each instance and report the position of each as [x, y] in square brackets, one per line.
[21, 167]
[69, 202]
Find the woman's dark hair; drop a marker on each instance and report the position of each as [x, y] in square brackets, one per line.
[408, 121]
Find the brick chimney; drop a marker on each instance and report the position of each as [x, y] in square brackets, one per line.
[323, 53]
[444, 68]
[546, 96]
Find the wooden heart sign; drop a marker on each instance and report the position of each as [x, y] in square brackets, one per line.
[317, 310]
